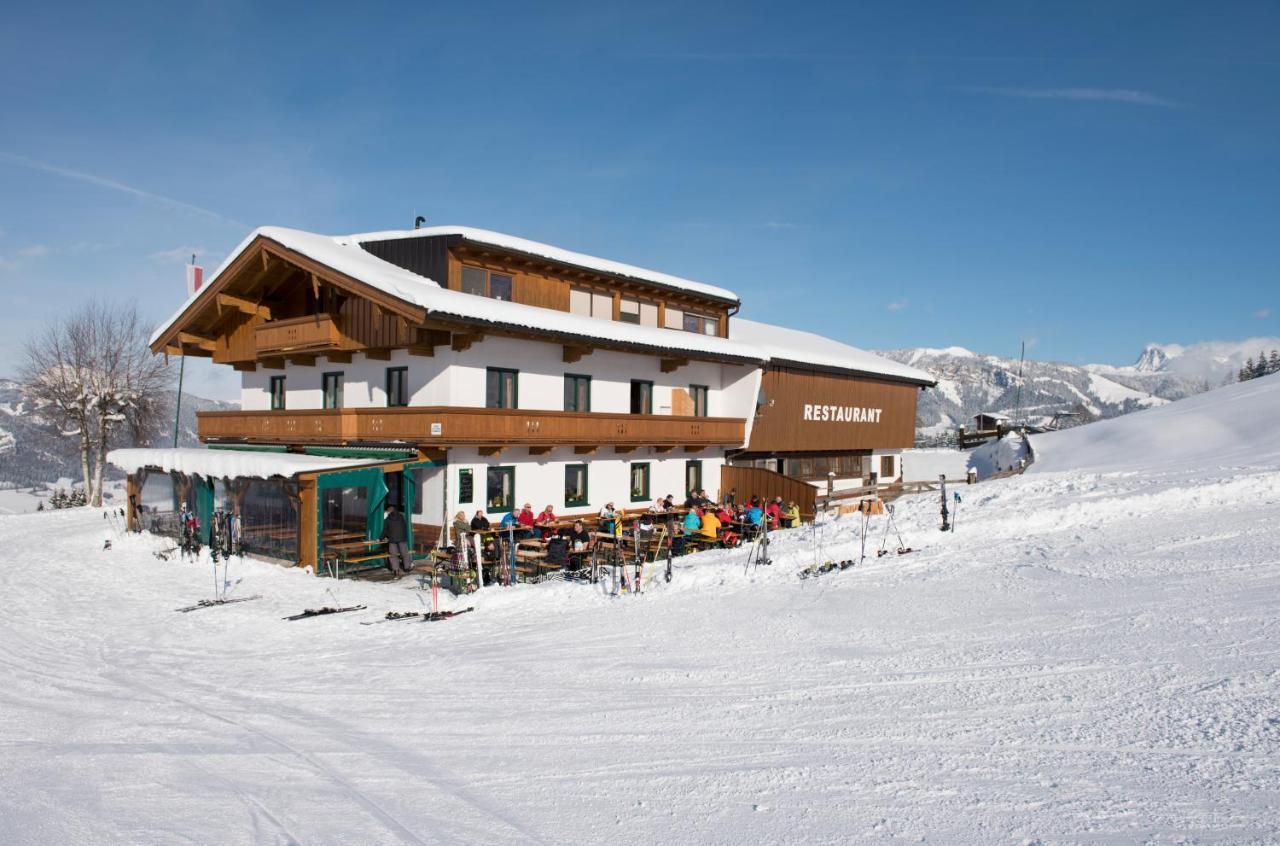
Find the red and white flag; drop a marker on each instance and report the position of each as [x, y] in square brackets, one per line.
[195, 278]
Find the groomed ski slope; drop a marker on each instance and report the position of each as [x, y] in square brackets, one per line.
[1090, 658]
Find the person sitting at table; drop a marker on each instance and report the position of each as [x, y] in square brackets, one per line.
[658, 507]
[710, 526]
[669, 503]
[510, 521]
[396, 536]
[544, 520]
[692, 500]
[525, 518]
[480, 522]
[693, 521]
[791, 517]
[725, 514]
[755, 514]
[460, 528]
[579, 537]
[608, 519]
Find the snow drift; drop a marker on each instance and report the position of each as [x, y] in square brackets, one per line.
[1231, 426]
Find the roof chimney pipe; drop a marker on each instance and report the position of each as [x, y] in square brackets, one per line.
[418, 221]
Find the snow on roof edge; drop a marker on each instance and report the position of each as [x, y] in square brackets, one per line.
[226, 463]
[553, 253]
[782, 344]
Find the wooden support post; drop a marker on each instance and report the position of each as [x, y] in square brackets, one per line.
[308, 509]
[539, 450]
[302, 360]
[377, 355]
[338, 357]
[244, 366]
[490, 450]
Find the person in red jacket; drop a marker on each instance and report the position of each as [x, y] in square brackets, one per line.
[544, 520]
[525, 519]
[774, 511]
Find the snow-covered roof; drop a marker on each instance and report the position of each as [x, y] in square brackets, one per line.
[994, 415]
[782, 345]
[556, 254]
[749, 341]
[226, 463]
[344, 254]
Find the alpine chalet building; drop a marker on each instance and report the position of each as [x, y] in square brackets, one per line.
[448, 369]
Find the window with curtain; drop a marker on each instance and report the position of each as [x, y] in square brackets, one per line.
[500, 488]
[641, 397]
[277, 393]
[575, 485]
[332, 384]
[699, 393]
[577, 392]
[640, 481]
[397, 387]
[501, 389]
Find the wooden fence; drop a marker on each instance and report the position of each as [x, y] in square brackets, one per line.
[766, 484]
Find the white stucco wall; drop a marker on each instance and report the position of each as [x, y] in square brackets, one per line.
[539, 480]
[458, 379]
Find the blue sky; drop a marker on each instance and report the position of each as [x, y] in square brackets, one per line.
[1090, 177]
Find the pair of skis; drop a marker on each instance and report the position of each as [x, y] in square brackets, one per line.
[214, 603]
[424, 616]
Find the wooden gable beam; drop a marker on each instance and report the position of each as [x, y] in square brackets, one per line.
[663, 450]
[490, 450]
[462, 341]
[244, 366]
[539, 450]
[585, 449]
[338, 357]
[376, 354]
[197, 341]
[302, 360]
[623, 450]
[240, 304]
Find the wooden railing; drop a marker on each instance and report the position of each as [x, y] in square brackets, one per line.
[298, 334]
[445, 426]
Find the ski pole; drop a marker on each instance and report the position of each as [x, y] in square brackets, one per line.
[955, 516]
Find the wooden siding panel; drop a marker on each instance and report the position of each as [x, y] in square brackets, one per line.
[755, 481]
[780, 424]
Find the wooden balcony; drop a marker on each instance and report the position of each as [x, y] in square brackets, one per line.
[314, 333]
[486, 427]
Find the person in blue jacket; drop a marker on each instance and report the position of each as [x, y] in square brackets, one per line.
[693, 521]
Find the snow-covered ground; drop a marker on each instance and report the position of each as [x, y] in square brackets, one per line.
[1090, 658]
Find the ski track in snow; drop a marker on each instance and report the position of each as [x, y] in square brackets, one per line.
[1089, 658]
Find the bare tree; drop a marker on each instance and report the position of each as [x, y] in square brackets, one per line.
[55, 377]
[93, 370]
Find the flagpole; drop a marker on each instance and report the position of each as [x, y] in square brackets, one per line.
[182, 367]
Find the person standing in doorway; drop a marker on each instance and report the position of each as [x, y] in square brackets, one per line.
[397, 537]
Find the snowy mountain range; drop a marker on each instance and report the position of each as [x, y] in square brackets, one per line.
[31, 452]
[969, 383]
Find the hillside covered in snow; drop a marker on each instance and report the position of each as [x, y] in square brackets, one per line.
[969, 383]
[1088, 658]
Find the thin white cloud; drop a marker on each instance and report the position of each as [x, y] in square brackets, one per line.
[178, 255]
[33, 251]
[1128, 96]
[1262, 313]
[103, 182]
[898, 305]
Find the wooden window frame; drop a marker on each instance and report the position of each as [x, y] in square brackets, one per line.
[324, 389]
[567, 378]
[508, 469]
[889, 460]
[488, 280]
[635, 382]
[404, 385]
[705, 391]
[515, 388]
[279, 399]
[586, 485]
[643, 496]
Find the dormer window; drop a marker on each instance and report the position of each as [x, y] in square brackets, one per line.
[486, 283]
[591, 303]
